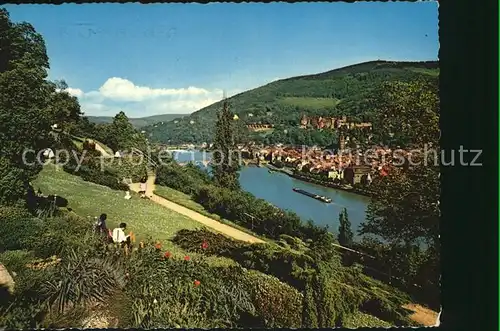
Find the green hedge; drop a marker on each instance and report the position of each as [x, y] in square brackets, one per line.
[18, 228]
[127, 167]
[90, 171]
[277, 303]
[331, 291]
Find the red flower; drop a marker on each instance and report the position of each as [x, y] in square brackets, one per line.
[158, 245]
[187, 258]
[204, 245]
[197, 283]
[167, 255]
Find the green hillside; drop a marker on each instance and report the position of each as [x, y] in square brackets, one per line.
[138, 122]
[281, 103]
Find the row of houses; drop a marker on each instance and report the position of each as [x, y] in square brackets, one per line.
[350, 167]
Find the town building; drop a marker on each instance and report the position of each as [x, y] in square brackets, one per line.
[356, 174]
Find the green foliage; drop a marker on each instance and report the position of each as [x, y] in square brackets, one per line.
[187, 179]
[165, 294]
[205, 241]
[238, 206]
[120, 134]
[81, 279]
[25, 117]
[362, 320]
[26, 308]
[18, 228]
[407, 113]
[12, 182]
[277, 303]
[342, 91]
[90, 170]
[331, 292]
[16, 260]
[225, 163]
[345, 233]
[127, 167]
[59, 234]
[140, 122]
[105, 179]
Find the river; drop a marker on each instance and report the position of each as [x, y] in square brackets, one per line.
[277, 189]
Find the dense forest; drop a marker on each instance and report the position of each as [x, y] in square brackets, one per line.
[138, 122]
[344, 91]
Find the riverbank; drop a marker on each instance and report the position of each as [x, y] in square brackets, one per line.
[308, 179]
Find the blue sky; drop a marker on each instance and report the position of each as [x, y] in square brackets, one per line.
[177, 58]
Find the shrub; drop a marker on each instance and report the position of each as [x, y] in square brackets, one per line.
[362, 320]
[205, 241]
[59, 234]
[279, 304]
[105, 179]
[186, 179]
[164, 293]
[17, 228]
[83, 278]
[290, 266]
[128, 167]
[16, 260]
[26, 309]
[90, 171]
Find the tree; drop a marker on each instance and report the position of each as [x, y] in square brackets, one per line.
[25, 115]
[225, 163]
[404, 209]
[120, 135]
[407, 113]
[64, 107]
[345, 234]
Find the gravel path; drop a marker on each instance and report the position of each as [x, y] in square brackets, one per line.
[211, 223]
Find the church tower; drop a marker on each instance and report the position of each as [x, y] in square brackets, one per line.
[341, 142]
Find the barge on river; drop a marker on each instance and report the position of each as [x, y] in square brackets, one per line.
[312, 195]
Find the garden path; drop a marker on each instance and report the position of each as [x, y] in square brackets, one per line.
[209, 222]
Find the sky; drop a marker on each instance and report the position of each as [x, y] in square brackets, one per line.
[149, 59]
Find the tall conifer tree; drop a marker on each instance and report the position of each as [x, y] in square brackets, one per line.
[225, 163]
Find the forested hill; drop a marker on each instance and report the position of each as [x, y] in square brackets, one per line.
[283, 102]
[137, 122]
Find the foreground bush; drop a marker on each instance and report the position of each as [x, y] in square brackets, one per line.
[17, 228]
[166, 292]
[331, 292]
[279, 304]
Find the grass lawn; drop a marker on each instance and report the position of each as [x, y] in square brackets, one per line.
[145, 218]
[186, 201]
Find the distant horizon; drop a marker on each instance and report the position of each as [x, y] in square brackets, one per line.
[178, 58]
[312, 74]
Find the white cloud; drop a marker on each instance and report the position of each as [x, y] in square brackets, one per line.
[76, 92]
[122, 89]
[138, 101]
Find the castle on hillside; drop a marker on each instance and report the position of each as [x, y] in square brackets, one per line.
[259, 127]
[332, 123]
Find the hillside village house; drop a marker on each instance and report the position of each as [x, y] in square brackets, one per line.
[336, 174]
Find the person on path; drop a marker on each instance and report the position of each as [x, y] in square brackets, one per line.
[143, 187]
